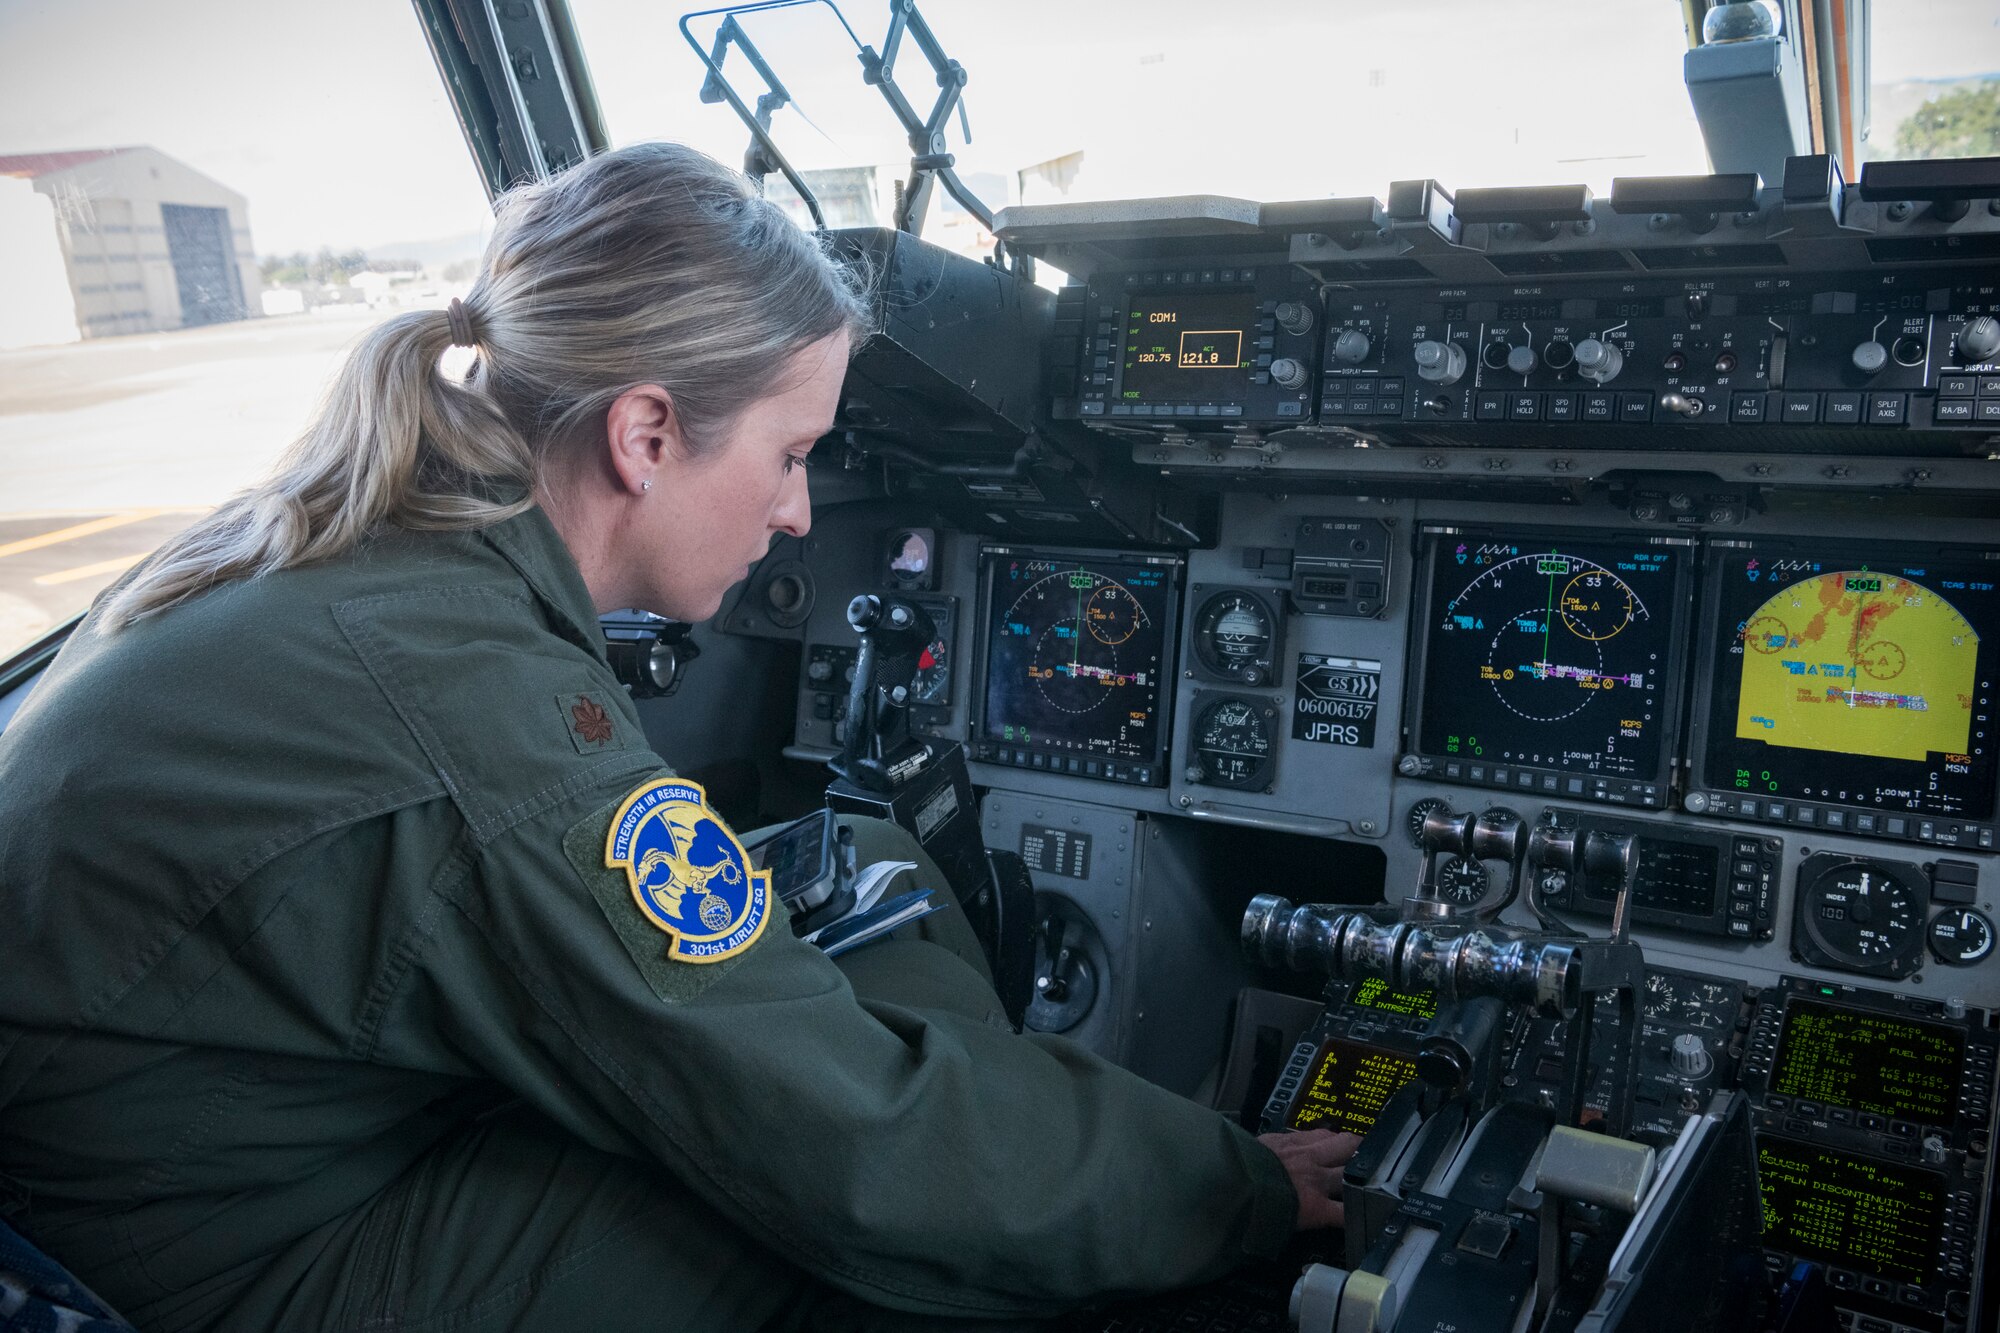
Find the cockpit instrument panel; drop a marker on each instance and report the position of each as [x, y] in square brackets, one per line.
[1076, 652]
[1550, 664]
[1851, 686]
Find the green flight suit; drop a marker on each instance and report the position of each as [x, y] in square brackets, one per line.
[319, 1007]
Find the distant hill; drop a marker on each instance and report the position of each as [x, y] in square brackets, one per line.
[435, 252]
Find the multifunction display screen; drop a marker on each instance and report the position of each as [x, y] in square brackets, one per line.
[1076, 652]
[1347, 1087]
[1877, 1064]
[1559, 654]
[1374, 993]
[1674, 876]
[1188, 347]
[1866, 682]
[1878, 1217]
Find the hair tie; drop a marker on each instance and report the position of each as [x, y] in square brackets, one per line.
[461, 324]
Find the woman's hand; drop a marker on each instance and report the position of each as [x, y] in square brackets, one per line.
[1313, 1159]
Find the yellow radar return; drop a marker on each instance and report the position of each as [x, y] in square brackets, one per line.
[1860, 662]
[1859, 677]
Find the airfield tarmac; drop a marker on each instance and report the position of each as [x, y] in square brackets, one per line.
[110, 446]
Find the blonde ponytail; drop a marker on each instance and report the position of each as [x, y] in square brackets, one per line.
[651, 264]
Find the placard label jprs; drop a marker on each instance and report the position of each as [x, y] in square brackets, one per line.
[1335, 700]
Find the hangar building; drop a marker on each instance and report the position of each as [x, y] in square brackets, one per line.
[142, 242]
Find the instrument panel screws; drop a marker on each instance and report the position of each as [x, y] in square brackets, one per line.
[1899, 211]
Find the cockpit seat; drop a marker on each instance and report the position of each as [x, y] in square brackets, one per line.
[38, 1295]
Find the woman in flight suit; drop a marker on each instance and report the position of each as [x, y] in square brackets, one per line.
[334, 993]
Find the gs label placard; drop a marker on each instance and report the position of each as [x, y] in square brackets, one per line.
[1335, 700]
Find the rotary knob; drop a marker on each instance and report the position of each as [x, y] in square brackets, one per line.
[1689, 1057]
[1598, 361]
[1288, 373]
[1934, 1151]
[1869, 357]
[1979, 339]
[1521, 359]
[1294, 317]
[821, 669]
[1440, 363]
[1351, 347]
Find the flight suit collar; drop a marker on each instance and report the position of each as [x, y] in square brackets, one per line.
[531, 544]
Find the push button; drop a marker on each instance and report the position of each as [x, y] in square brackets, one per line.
[1887, 409]
[1955, 386]
[1600, 407]
[1842, 409]
[1489, 406]
[1747, 407]
[1635, 408]
[1800, 409]
[1562, 407]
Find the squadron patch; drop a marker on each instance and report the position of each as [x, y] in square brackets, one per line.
[689, 874]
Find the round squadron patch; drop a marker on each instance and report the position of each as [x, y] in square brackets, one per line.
[689, 874]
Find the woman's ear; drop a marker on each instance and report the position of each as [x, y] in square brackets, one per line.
[643, 433]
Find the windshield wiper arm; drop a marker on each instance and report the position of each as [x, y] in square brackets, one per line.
[763, 156]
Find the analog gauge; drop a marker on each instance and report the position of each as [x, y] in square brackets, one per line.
[1461, 880]
[1661, 999]
[910, 558]
[1961, 937]
[1232, 743]
[932, 686]
[1861, 915]
[1235, 637]
[1702, 1006]
[1414, 821]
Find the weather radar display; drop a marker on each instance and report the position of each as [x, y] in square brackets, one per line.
[1860, 681]
[1556, 656]
[1074, 654]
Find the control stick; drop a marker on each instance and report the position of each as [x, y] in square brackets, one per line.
[880, 752]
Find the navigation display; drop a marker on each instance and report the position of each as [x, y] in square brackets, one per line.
[1876, 1216]
[1188, 347]
[1875, 1063]
[1558, 653]
[1348, 1086]
[1860, 679]
[1076, 652]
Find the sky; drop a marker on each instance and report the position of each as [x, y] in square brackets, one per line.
[333, 122]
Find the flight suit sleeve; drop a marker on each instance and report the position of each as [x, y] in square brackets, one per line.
[920, 1156]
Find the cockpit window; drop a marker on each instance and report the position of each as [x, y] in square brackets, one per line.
[1934, 80]
[1278, 99]
[199, 211]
